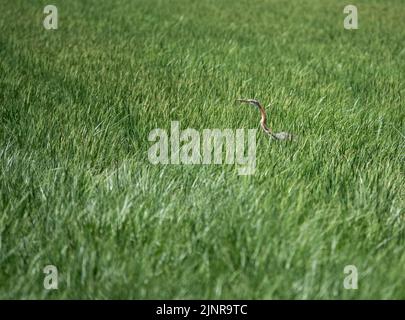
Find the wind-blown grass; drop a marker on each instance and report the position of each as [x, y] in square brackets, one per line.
[78, 192]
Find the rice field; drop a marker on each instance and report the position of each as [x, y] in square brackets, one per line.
[78, 191]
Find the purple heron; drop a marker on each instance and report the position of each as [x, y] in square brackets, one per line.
[267, 130]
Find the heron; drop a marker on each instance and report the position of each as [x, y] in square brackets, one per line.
[267, 130]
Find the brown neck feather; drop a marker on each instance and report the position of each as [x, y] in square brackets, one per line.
[263, 120]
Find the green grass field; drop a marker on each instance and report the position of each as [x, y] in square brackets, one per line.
[78, 192]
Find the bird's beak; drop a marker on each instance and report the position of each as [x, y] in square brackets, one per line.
[246, 101]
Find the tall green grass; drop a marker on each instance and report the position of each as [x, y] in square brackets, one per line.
[77, 190]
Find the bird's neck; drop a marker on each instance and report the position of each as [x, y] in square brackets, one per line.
[263, 120]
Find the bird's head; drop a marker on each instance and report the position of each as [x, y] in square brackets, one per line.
[252, 102]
